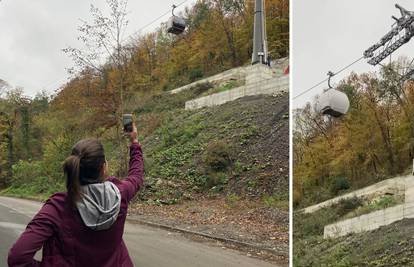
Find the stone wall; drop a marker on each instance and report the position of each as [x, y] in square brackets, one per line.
[389, 186]
[376, 219]
[239, 74]
[268, 87]
[370, 221]
[233, 74]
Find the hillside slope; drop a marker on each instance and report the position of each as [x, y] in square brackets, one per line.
[392, 245]
[237, 148]
[222, 170]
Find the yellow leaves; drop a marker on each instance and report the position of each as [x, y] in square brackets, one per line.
[374, 139]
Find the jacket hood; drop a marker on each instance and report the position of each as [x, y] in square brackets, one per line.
[100, 204]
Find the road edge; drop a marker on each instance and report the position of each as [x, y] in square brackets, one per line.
[133, 219]
[217, 238]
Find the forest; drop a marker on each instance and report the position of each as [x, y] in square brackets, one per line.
[372, 142]
[36, 134]
[332, 156]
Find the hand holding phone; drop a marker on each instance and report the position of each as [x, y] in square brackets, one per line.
[127, 122]
[130, 128]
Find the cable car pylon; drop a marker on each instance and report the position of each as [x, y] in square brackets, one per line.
[260, 52]
[400, 34]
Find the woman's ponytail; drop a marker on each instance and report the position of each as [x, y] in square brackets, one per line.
[83, 166]
[71, 168]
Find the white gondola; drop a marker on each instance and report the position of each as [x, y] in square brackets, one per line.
[175, 25]
[333, 102]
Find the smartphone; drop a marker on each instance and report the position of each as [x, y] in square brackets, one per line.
[127, 122]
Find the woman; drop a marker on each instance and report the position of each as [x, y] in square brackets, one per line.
[83, 226]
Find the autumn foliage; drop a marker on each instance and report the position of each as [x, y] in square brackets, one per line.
[37, 133]
[373, 141]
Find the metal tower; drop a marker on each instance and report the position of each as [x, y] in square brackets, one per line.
[401, 32]
[259, 35]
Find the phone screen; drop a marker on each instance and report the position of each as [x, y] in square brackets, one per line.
[127, 122]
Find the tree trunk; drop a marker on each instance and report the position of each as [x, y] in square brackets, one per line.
[387, 143]
[10, 154]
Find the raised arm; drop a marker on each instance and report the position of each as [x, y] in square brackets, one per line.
[133, 182]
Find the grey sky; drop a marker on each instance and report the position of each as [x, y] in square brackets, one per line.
[330, 34]
[34, 32]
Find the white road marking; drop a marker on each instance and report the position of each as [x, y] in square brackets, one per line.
[17, 228]
[28, 211]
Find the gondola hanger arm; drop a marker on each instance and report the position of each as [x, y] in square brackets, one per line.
[173, 7]
[330, 75]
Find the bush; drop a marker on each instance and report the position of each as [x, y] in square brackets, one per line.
[385, 202]
[280, 201]
[312, 224]
[25, 172]
[232, 200]
[297, 197]
[347, 205]
[31, 180]
[221, 88]
[378, 204]
[217, 156]
[201, 88]
[216, 180]
[195, 74]
[306, 225]
[339, 183]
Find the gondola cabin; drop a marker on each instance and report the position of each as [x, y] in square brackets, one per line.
[333, 102]
[176, 25]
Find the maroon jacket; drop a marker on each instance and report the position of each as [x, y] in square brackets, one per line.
[67, 241]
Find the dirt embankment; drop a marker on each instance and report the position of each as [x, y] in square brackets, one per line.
[251, 203]
[387, 246]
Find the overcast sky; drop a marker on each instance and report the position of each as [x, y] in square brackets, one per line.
[34, 32]
[330, 34]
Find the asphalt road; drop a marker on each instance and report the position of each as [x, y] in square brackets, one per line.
[147, 246]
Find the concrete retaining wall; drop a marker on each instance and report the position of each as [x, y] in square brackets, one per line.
[376, 219]
[240, 74]
[268, 87]
[370, 221]
[409, 189]
[236, 74]
[392, 186]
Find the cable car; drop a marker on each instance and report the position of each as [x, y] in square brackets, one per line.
[333, 102]
[175, 25]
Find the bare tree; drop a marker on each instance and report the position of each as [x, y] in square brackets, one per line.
[4, 87]
[101, 40]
